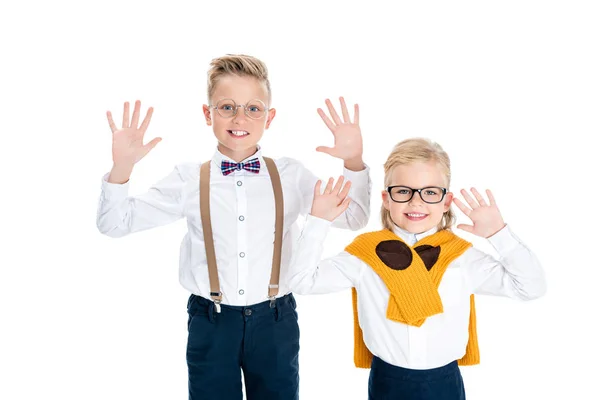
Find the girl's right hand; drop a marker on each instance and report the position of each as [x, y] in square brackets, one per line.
[333, 202]
[128, 142]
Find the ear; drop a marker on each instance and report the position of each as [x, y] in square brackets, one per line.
[206, 112]
[385, 197]
[448, 201]
[270, 116]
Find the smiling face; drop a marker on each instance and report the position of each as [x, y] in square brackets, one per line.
[238, 135]
[417, 216]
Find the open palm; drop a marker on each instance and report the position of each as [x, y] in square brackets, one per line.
[347, 137]
[486, 218]
[128, 142]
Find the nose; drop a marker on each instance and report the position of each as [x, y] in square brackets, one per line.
[240, 116]
[416, 199]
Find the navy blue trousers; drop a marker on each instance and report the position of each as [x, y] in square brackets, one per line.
[259, 340]
[389, 382]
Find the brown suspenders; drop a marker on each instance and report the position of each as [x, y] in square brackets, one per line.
[213, 276]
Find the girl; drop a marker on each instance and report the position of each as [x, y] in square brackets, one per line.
[413, 281]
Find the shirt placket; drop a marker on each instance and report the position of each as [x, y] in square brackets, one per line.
[242, 238]
[417, 339]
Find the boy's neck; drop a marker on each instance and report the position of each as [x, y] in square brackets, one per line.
[236, 156]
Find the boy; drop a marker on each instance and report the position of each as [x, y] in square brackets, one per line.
[241, 315]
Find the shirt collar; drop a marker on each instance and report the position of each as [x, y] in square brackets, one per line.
[412, 238]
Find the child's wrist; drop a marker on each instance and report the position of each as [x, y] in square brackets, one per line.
[354, 164]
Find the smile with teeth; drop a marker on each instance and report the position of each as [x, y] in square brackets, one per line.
[238, 133]
[416, 216]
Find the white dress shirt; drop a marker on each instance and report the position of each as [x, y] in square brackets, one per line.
[443, 337]
[243, 221]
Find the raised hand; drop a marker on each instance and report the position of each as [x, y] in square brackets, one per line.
[128, 142]
[486, 218]
[348, 144]
[333, 201]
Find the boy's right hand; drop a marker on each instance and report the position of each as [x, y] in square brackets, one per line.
[128, 142]
[332, 202]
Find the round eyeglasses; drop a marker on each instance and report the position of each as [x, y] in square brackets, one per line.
[430, 195]
[227, 108]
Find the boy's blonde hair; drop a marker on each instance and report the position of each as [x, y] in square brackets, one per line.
[240, 65]
[417, 150]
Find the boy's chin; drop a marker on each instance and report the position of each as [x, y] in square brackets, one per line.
[415, 227]
[237, 147]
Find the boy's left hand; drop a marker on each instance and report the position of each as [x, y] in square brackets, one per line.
[487, 220]
[347, 137]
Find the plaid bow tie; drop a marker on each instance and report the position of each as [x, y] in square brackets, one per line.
[252, 165]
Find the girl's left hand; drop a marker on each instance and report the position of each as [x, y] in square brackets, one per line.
[334, 200]
[487, 220]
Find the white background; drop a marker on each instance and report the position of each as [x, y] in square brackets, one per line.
[510, 89]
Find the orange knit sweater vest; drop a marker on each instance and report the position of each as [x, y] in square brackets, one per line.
[412, 276]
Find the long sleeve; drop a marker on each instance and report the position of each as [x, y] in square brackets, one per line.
[120, 214]
[357, 214]
[309, 275]
[516, 274]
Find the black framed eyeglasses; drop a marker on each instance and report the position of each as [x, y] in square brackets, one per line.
[430, 194]
[227, 108]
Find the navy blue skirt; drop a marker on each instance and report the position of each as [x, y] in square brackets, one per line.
[388, 382]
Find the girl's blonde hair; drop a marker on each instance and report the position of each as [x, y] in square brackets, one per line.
[417, 150]
[240, 65]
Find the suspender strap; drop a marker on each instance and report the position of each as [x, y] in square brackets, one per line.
[213, 276]
[209, 245]
[278, 193]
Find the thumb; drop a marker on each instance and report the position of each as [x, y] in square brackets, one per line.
[466, 228]
[149, 146]
[325, 149]
[342, 207]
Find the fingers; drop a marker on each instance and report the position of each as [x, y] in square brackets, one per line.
[345, 115]
[344, 206]
[491, 197]
[149, 146]
[469, 199]
[356, 114]
[146, 120]
[125, 115]
[329, 186]
[334, 114]
[317, 188]
[337, 190]
[344, 193]
[479, 197]
[111, 123]
[338, 185]
[326, 119]
[136, 115]
[461, 206]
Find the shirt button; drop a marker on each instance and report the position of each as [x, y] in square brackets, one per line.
[239, 183]
[241, 291]
[248, 312]
[241, 218]
[242, 254]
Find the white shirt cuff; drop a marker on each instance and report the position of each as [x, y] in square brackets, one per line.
[504, 240]
[113, 190]
[316, 228]
[358, 178]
